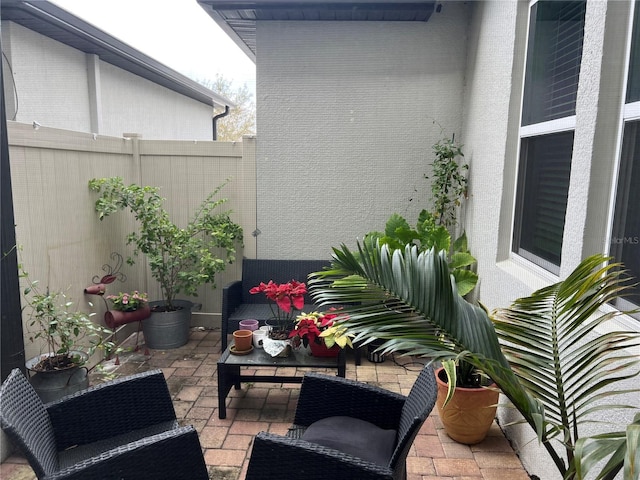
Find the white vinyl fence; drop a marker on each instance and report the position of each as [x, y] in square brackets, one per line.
[63, 243]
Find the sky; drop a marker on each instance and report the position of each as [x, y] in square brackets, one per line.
[177, 33]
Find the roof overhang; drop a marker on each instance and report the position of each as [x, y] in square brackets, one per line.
[238, 18]
[54, 22]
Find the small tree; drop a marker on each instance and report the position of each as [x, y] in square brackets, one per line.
[181, 259]
[241, 119]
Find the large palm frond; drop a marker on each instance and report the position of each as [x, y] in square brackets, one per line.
[551, 342]
[409, 300]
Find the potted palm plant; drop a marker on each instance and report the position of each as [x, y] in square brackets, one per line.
[68, 336]
[181, 259]
[532, 350]
[468, 415]
[427, 235]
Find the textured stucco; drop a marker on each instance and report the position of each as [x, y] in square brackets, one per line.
[48, 79]
[492, 99]
[345, 112]
[48, 83]
[134, 104]
[491, 118]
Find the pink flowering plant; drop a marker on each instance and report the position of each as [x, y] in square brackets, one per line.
[128, 302]
[310, 326]
[288, 297]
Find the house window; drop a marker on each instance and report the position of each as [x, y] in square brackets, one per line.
[545, 167]
[554, 54]
[553, 60]
[625, 238]
[633, 83]
[625, 234]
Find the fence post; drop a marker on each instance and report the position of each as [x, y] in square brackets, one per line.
[135, 153]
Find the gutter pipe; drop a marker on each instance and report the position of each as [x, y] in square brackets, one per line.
[215, 121]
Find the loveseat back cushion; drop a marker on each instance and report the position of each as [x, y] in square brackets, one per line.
[259, 270]
[27, 423]
[353, 436]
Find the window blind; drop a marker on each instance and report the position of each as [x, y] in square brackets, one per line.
[625, 238]
[542, 197]
[553, 60]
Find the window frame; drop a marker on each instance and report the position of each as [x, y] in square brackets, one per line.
[630, 112]
[548, 127]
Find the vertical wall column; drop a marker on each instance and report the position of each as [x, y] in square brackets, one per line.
[248, 210]
[95, 92]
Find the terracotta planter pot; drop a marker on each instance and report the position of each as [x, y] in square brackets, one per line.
[468, 416]
[116, 318]
[321, 350]
[243, 340]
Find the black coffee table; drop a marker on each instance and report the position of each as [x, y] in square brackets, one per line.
[229, 369]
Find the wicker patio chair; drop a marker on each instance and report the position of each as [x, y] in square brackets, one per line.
[345, 430]
[123, 429]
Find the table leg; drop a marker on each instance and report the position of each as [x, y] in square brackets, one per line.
[342, 364]
[236, 376]
[223, 390]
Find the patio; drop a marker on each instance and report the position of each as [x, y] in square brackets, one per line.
[190, 372]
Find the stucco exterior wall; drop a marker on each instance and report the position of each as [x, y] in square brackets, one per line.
[52, 84]
[490, 135]
[47, 81]
[134, 104]
[495, 65]
[346, 113]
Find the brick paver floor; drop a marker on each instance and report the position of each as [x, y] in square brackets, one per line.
[191, 375]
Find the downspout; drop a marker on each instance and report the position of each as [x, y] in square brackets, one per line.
[215, 121]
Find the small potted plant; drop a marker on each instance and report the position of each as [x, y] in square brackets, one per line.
[309, 328]
[69, 339]
[126, 308]
[181, 259]
[288, 297]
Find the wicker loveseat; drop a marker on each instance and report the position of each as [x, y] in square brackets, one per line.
[238, 304]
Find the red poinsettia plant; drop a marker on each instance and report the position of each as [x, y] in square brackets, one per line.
[287, 296]
[309, 326]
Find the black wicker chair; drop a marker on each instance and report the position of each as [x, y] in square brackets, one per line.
[345, 430]
[123, 429]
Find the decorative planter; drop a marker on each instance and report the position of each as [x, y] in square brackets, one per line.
[249, 324]
[469, 414]
[167, 330]
[279, 331]
[53, 385]
[116, 318]
[321, 350]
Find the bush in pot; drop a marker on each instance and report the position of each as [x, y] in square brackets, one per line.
[180, 259]
[555, 384]
[429, 235]
[69, 339]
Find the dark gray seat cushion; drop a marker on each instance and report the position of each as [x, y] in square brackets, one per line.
[353, 436]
